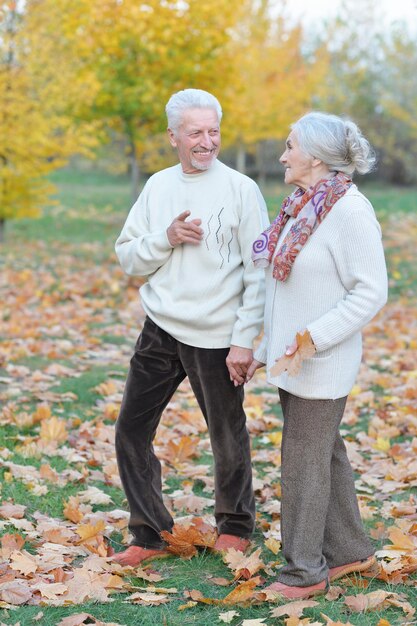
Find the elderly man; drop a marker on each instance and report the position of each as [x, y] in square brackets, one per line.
[190, 233]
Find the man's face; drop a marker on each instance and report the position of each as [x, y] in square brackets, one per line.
[197, 140]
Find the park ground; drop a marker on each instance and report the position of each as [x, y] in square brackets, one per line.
[69, 319]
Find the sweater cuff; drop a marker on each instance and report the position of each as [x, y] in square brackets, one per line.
[242, 338]
[319, 339]
[162, 241]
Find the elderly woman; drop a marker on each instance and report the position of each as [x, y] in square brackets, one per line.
[326, 278]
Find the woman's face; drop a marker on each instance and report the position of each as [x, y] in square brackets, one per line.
[298, 165]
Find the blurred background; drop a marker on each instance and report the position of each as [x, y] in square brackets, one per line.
[83, 85]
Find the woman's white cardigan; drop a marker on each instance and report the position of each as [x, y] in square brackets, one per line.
[337, 284]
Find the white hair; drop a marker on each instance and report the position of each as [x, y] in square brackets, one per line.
[189, 99]
[337, 142]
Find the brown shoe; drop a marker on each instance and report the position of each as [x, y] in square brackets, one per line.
[368, 565]
[289, 592]
[135, 555]
[225, 542]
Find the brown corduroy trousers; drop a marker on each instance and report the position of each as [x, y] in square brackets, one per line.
[320, 521]
[160, 363]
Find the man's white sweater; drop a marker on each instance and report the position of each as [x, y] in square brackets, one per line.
[337, 284]
[207, 295]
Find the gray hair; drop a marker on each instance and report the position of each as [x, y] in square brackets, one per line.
[337, 142]
[189, 99]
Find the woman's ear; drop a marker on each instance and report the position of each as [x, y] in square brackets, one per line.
[316, 162]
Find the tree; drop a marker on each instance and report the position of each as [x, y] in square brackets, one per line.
[138, 54]
[273, 81]
[397, 107]
[35, 136]
[369, 82]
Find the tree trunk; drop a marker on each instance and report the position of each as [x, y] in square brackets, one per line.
[134, 172]
[261, 165]
[241, 158]
[2, 229]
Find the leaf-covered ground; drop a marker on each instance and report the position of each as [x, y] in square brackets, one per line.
[69, 319]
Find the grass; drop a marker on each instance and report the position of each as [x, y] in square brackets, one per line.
[81, 229]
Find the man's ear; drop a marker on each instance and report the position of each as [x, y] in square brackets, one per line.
[171, 137]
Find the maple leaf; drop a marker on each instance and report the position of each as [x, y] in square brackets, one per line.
[197, 596]
[148, 599]
[9, 510]
[15, 592]
[11, 543]
[53, 430]
[23, 562]
[207, 533]
[72, 511]
[365, 602]
[244, 566]
[183, 540]
[111, 411]
[273, 544]
[85, 585]
[222, 582]
[62, 536]
[107, 388]
[43, 411]
[47, 473]
[242, 594]
[401, 541]
[294, 609]
[50, 590]
[93, 495]
[292, 364]
[177, 453]
[89, 531]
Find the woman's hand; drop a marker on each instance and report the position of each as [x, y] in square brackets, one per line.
[292, 349]
[252, 369]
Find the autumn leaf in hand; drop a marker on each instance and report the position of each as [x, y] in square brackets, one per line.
[292, 364]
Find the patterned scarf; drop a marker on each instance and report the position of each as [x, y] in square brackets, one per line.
[310, 207]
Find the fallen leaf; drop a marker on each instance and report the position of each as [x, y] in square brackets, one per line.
[89, 531]
[15, 592]
[11, 543]
[50, 590]
[294, 609]
[148, 599]
[23, 562]
[242, 594]
[72, 511]
[274, 545]
[242, 565]
[12, 511]
[228, 616]
[366, 602]
[189, 605]
[53, 430]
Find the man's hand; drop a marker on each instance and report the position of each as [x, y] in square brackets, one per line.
[238, 361]
[252, 369]
[181, 231]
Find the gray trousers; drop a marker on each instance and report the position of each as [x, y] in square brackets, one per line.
[157, 367]
[320, 520]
